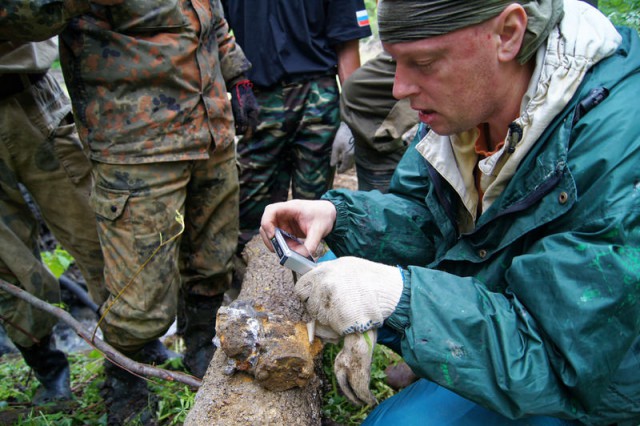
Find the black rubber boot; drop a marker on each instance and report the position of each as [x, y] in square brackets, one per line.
[155, 353]
[126, 397]
[197, 327]
[51, 368]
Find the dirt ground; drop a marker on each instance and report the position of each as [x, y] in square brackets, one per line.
[347, 179]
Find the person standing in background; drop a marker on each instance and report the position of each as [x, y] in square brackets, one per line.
[296, 48]
[40, 151]
[376, 128]
[148, 82]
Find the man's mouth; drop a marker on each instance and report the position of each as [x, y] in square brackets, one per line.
[426, 115]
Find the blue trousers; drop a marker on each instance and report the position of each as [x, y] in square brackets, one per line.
[425, 403]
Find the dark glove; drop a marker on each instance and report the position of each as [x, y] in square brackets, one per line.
[245, 108]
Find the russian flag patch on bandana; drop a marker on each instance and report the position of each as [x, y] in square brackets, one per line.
[363, 18]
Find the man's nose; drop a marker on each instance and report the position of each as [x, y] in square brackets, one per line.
[403, 85]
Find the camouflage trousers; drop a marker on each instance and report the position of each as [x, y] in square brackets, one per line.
[290, 149]
[164, 227]
[40, 150]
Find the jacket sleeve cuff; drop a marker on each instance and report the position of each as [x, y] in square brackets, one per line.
[342, 214]
[399, 319]
[235, 80]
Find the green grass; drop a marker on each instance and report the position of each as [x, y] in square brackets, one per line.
[18, 385]
[335, 406]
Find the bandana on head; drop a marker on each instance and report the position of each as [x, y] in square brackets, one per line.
[410, 20]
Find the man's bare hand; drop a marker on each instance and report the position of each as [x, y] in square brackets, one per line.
[312, 220]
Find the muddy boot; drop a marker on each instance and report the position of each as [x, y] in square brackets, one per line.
[51, 368]
[155, 353]
[126, 397]
[197, 327]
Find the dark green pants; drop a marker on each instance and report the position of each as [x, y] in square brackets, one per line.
[381, 125]
[290, 149]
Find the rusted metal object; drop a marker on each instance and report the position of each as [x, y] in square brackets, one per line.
[265, 370]
[275, 351]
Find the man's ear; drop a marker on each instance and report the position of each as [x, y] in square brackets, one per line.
[511, 26]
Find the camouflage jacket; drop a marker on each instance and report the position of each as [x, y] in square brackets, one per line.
[147, 78]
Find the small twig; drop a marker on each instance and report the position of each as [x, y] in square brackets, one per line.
[107, 350]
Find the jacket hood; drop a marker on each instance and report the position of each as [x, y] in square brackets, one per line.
[583, 38]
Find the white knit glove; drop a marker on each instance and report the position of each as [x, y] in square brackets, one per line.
[352, 367]
[350, 294]
[342, 151]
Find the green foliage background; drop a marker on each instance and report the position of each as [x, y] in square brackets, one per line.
[622, 12]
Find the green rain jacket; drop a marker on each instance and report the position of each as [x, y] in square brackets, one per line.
[537, 310]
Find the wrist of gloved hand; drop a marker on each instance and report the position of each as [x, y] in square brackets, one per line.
[245, 108]
[342, 150]
[351, 294]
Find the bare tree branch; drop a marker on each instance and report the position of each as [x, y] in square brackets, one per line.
[110, 353]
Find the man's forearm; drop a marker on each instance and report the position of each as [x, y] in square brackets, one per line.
[348, 58]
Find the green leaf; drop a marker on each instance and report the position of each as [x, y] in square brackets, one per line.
[58, 260]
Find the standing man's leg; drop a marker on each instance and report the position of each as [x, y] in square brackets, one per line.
[264, 160]
[66, 209]
[39, 148]
[206, 252]
[380, 123]
[319, 122]
[139, 209]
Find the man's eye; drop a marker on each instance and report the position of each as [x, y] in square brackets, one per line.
[425, 66]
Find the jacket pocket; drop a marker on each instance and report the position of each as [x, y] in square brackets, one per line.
[109, 204]
[71, 152]
[140, 16]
